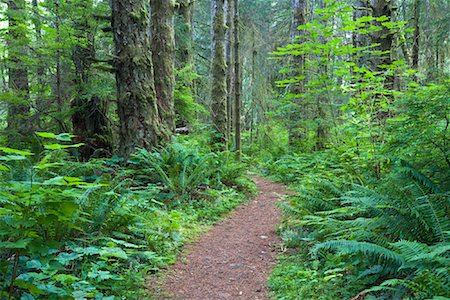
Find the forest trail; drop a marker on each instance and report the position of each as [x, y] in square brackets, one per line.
[234, 259]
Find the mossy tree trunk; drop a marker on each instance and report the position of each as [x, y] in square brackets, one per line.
[163, 50]
[218, 69]
[416, 36]
[19, 122]
[237, 82]
[229, 61]
[184, 39]
[296, 132]
[137, 107]
[89, 119]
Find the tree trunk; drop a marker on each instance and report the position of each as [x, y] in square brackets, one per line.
[89, 119]
[237, 82]
[383, 37]
[137, 108]
[184, 38]
[19, 125]
[299, 18]
[253, 84]
[229, 59]
[416, 37]
[361, 9]
[163, 49]
[218, 69]
[40, 68]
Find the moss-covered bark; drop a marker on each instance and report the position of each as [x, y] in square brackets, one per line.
[163, 49]
[218, 70]
[237, 82]
[229, 61]
[89, 119]
[295, 130]
[137, 108]
[184, 38]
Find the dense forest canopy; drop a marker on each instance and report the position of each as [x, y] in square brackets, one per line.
[126, 126]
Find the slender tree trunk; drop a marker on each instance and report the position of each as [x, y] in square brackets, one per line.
[229, 59]
[137, 108]
[416, 37]
[253, 83]
[19, 125]
[218, 69]
[237, 81]
[163, 49]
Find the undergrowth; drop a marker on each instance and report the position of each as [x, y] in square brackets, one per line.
[370, 222]
[95, 230]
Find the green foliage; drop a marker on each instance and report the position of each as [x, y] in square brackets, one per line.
[187, 109]
[94, 230]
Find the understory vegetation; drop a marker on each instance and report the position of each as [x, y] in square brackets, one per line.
[95, 230]
[371, 226]
[127, 127]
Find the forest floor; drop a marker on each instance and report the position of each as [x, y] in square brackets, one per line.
[234, 258]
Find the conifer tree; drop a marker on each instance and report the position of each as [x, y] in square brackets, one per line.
[137, 105]
[218, 70]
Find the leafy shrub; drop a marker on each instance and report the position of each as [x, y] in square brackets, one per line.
[94, 230]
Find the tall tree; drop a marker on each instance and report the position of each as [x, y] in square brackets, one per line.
[237, 81]
[416, 36]
[298, 111]
[229, 61]
[163, 49]
[89, 119]
[137, 107]
[19, 125]
[184, 38]
[218, 70]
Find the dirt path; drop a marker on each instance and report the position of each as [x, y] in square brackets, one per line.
[233, 260]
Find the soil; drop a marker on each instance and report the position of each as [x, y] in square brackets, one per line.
[233, 259]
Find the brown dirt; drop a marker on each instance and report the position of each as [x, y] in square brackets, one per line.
[232, 260]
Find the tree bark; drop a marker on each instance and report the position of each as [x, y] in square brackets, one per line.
[89, 119]
[299, 8]
[229, 60]
[19, 124]
[163, 50]
[137, 108]
[218, 69]
[416, 37]
[237, 82]
[184, 38]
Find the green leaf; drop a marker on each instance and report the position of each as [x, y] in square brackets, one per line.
[66, 278]
[47, 135]
[65, 137]
[113, 252]
[20, 244]
[60, 147]
[15, 151]
[65, 258]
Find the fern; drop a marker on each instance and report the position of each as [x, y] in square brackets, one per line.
[354, 247]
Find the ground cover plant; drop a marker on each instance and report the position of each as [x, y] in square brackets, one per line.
[96, 230]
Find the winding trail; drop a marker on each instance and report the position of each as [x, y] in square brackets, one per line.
[233, 259]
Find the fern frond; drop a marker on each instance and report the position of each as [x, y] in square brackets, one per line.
[355, 247]
[408, 170]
